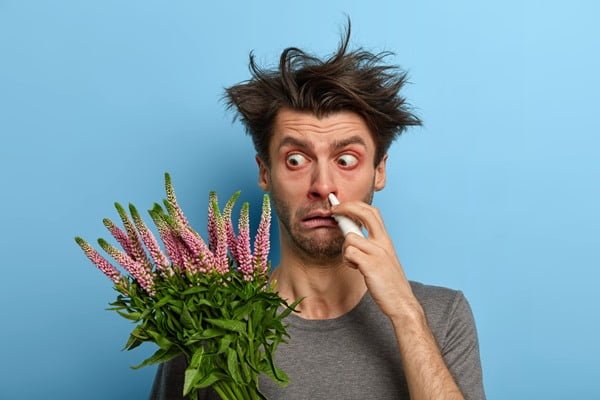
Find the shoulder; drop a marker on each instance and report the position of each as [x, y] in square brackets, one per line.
[451, 321]
[435, 298]
[444, 308]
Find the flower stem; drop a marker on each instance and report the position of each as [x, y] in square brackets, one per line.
[228, 392]
[217, 387]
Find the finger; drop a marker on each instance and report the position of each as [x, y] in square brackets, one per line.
[350, 264]
[367, 246]
[367, 215]
[355, 258]
[368, 250]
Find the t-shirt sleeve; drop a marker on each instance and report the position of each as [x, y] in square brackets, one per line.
[461, 349]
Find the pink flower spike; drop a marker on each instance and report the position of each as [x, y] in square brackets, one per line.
[149, 240]
[231, 239]
[167, 235]
[262, 242]
[170, 240]
[244, 255]
[221, 261]
[190, 263]
[172, 200]
[137, 250]
[213, 203]
[135, 268]
[120, 236]
[103, 265]
[198, 249]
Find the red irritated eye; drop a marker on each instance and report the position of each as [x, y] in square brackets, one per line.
[347, 160]
[295, 160]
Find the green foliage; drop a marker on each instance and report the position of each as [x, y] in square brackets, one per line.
[226, 327]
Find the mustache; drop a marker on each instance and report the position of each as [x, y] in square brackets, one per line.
[321, 206]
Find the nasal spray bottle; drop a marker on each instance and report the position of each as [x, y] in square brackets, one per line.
[345, 223]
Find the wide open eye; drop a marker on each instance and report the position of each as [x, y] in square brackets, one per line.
[295, 160]
[347, 160]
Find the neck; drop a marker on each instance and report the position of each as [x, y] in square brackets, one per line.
[330, 288]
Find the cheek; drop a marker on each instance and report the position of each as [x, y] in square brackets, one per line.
[356, 183]
[357, 177]
[293, 179]
[289, 184]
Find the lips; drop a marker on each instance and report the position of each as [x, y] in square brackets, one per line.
[318, 219]
[317, 214]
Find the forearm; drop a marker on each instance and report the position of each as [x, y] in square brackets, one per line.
[426, 373]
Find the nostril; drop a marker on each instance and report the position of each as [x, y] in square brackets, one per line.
[314, 195]
[320, 194]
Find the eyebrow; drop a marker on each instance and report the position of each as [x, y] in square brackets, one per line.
[335, 146]
[340, 144]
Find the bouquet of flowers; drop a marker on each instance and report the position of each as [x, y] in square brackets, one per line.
[211, 302]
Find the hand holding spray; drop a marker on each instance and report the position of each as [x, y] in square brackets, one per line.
[345, 223]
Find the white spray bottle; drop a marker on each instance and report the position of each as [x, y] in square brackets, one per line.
[345, 223]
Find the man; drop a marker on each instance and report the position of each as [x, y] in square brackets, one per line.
[364, 331]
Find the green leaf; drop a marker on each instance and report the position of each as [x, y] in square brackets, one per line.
[132, 343]
[172, 326]
[224, 343]
[290, 308]
[229, 324]
[210, 333]
[139, 333]
[176, 309]
[233, 366]
[239, 312]
[205, 302]
[186, 318]
[205, 334]
[191, 375]
[210, 379]
[172, 320]
[134, 316]
[166, 299]
[197, 358]
[176, 304]
[160, 340]
[246, 373]
[160, 356]
[194, 290]
[275, 373]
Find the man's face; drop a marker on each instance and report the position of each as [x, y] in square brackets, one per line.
[310, 158]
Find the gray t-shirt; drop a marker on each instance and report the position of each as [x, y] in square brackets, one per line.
[356, 356]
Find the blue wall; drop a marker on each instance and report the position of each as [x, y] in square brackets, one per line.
[496, 195]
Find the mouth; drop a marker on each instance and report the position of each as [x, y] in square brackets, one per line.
[321, 219]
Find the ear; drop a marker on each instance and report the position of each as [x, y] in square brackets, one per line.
[263, 174]
[380, 174]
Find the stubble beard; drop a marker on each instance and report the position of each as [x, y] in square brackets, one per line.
[310, 246]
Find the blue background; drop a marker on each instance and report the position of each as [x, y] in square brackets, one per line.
[496, 195]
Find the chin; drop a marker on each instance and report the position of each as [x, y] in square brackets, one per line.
[320, 248]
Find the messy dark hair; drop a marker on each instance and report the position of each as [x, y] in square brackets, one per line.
[355, 81]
